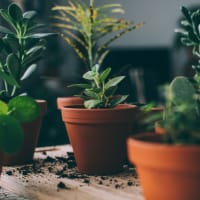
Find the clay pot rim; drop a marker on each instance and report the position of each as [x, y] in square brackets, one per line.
[138, 140]
[124, 106]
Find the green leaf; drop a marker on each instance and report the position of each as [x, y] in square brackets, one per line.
[35, 50]
[11, 134]
[110, 91]
[104, 75]
[3, 108]
[114, 81]
[91, 103]
[39, 35]
[81, 85]
[90, 75]
[186, 13]
[5, 30]
[9, 79]
[30, 14]
[91, 93]
[7, 18]
[117, 100]
[15, 12]
[29, 71]
[13, 64]
[24, 108]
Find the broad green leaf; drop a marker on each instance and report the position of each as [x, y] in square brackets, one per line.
[24, 108]
[117, 100]
[13, 64]
[3, 108]
[11, 134]
[5, 30]
[7, 18]
[90, 75]
[9, 79]
[30, 14]
[11, 43]
[29, 71]
[15, 12]
[91, 93]
[104, 75]
[114, 81]
[91, 103]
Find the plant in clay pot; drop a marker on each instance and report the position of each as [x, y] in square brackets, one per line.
[21, 46]
[97, 120]
[173, 157]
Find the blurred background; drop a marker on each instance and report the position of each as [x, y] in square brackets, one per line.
[150, 56]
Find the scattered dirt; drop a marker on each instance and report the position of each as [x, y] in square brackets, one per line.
[65, 167]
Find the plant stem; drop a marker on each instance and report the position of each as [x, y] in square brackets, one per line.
[6, 87]
[13, 90]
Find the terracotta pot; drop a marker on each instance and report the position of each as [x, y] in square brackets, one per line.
[31, 134]
[98, 137]
[166, 172]
[68, 101]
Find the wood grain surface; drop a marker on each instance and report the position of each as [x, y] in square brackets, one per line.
[45, 182]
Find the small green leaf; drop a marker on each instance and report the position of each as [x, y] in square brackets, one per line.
[114, 81]
[81, 85]
[13, 64]
[117, 100]
[39, 35]
[35, 49]
[5, 30]
[91, 103]
[186, 13]
[3, 108]
[15, 12]
[30, 14]
[90, 75]
[11, 134]
[29, 71]
[24, 108]
[104, 75]
[9, 79]
[91, 93]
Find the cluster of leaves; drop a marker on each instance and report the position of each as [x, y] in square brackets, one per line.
[181, 113]
[190, 37]
[18, 110]
[84, 28]
[99, 91]
[20, 47]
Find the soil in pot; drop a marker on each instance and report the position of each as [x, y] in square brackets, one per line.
[166, 172]
[31, 134]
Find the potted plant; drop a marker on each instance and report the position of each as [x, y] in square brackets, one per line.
[173, 157]
[21, 47]
[97, 124]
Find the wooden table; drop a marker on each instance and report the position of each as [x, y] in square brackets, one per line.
[45, 182]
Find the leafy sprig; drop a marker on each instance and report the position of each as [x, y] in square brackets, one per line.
[99, 91]
[89, 30]
[21, 46]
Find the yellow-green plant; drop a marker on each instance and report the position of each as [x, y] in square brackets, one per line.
[89, 30]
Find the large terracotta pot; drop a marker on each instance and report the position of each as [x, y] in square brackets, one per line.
[166, 172]
[31, 134]
[98, 137]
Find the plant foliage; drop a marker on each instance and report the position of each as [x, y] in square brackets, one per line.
[89, 30]
[21, 46]
[99, 90]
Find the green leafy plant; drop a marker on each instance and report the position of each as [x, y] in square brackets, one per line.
[98, 92]
[89, 30]
[181, 113]
[190, 37]
[19, 109]
[21, 46]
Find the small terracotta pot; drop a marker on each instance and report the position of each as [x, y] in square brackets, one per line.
[98, 137]
[31, 134]
[166, 172]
